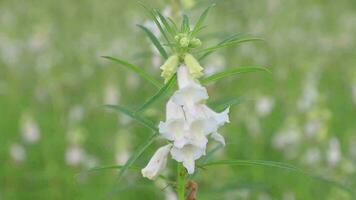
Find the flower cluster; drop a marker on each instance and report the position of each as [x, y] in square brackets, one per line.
[189, 122]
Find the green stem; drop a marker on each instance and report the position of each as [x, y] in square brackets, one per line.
[181, 176]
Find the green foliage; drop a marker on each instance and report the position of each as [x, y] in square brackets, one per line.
[199, 25]
[135, 69]
[231, 72]
[160, 93]
[133, 115]
[155, 41]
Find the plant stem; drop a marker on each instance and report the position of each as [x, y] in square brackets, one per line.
[181, 181]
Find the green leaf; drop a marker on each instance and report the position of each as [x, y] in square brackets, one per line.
[173, 24]
[221, 105]
[185, 25]
[199, 25]
[230, 41]
[266, 163]
[280, 165]
[136, 69]
[230, 72]
[138, 152]
[155, 41]
[110, 167]
[161, 92]
[154, 18]
[146, 122]
[168, 27]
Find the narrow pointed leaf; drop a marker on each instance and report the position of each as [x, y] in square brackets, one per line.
[165, 23]
[280, 165]
[155, 41]
[146, 122]
[230, 72]
[173, 24]
[154, 18]
[136, 69]
[138, 152]
[228, 44]
[161, 92]
[185, 25]
[198, 26]
[221, 105]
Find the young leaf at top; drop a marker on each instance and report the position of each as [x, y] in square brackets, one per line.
[230, 72]
[185, 24]
[165, 23]
[155, 41]
[154, 18]
[136, 69]
[199, 25]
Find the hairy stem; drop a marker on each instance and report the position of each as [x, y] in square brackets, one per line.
[181, 176]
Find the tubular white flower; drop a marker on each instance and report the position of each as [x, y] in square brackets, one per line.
[190, 91]
[157, 163]
[188, 154]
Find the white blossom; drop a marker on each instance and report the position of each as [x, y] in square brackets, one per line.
[188, 125]
[188, 154]
[157, 163]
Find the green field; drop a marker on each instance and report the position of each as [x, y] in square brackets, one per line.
[53, 83]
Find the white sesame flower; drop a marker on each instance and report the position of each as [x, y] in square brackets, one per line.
[30, 130]
[17, 152]
[183, 132]
[74, 155]
[157, 163]
[190, 91]
[188, 154]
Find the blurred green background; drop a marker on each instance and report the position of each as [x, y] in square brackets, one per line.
[53, 81]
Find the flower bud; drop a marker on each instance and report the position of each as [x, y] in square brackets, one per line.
[169, 67]
[184, 42]
[193, 65]
[195, 42]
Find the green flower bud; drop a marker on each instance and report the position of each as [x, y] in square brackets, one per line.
[195, 42]
[169, 67]
[193, 66]
[184, 42]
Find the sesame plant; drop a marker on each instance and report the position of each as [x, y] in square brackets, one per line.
[190, 124]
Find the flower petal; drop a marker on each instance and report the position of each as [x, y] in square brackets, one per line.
[219, 138]
[157, 163]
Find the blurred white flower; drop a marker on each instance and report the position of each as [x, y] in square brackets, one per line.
[169, 194]
[333, 152]
[285, 138]
[312, 156]
[312, 127]
[157, 163]
[111, 95]
[74, 155]
[264, 106]
[75, 114]
[17, 152]
[30, 130]
[288, 196]
[353, 89]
